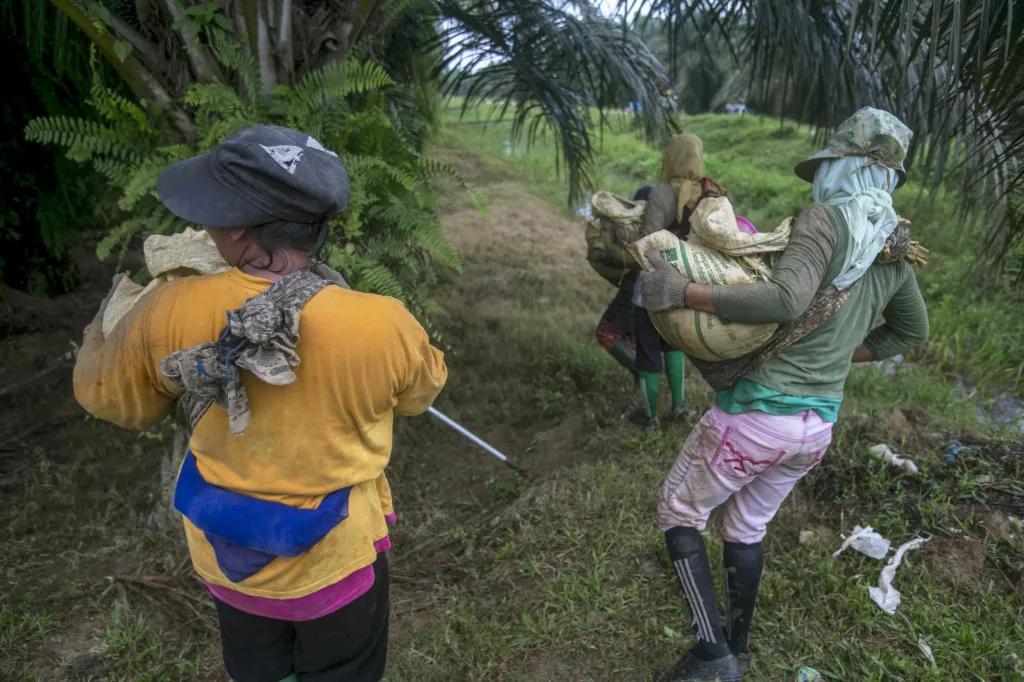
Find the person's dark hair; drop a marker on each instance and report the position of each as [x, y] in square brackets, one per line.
[642, 193]
[273, 237]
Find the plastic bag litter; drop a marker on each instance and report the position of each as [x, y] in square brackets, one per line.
[885, 595]
[889, 366]
[866, 541]
[806, 674]
[884, 453]
[926, 650]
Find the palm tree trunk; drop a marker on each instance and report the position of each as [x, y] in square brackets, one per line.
[141, 81]
[284, 43]
[265, 49]
[203, 64]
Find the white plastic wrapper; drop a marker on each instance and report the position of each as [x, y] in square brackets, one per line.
[885, 595]
[883, 452]
[866, 541]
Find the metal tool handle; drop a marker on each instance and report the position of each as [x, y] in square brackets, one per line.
[479, 442]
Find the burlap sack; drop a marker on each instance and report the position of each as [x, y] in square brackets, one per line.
[169, 257]
[714, 223]
[186, 254]
[717, 252]
[699, 334]
[617, 222]
[626, 216]
[608, 259]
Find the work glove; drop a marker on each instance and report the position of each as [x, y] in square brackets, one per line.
[662, 287]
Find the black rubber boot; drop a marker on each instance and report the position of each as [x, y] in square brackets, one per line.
[711, 658]
[640, 417]
[743, 567]
[691, 668]
[678, 415]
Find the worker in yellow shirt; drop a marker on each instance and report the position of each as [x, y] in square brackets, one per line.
[290, 385]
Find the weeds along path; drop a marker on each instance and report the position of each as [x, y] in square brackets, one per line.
[525, 373]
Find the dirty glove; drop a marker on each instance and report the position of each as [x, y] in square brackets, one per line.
[662, 287]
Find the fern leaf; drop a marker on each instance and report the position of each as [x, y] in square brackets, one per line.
[142, 182]
[380, 280]
[364, 163]
[432, 168]
[338, 80]
[119, 236]
[436, 242]
[213, 96]
[88, 138]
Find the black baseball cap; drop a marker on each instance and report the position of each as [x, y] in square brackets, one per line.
[261, 175]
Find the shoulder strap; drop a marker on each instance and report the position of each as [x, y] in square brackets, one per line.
[722, 376]
[260, 337]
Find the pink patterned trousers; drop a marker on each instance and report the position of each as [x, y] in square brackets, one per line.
[748, 462]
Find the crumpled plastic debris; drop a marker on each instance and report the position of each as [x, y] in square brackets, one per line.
[889, 366]
[885, 595]
[884, 453]
[806, 674]
[926, 650]
[866, 541]
[954, 449]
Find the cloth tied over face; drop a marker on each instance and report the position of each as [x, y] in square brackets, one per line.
[860, 188]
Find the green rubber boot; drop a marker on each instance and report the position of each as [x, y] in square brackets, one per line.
[625, 356]
[675, 369]
[650, 391]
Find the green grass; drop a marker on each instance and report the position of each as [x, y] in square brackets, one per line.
[551, 586]
[138, 653]
[564, 576]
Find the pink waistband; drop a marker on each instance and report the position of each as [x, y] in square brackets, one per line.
[312, 606]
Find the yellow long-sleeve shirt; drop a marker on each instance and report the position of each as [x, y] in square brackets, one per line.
[363, 358]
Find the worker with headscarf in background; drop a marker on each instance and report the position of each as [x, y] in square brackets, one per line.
[772, 427]
[669, 206]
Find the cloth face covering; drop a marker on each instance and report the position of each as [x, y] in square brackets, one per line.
[861, 189]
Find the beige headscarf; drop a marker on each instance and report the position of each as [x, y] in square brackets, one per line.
[683, 165]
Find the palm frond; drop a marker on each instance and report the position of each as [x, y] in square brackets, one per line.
[953, 70]
[551, 67]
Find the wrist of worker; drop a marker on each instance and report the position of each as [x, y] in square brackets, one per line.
[682, 293]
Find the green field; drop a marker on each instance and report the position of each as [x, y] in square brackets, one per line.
[564, 576]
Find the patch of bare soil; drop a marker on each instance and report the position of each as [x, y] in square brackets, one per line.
[73, 654]
[1001, 526]
[960, 561]
[907, 427]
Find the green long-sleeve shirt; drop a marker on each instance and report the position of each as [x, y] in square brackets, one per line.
[660, 213]
[817, 365]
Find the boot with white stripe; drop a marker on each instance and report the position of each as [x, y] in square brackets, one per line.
[710, 659]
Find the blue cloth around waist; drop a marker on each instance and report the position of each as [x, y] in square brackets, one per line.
[248, 533]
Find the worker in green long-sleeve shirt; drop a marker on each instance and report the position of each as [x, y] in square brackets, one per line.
[774, 425]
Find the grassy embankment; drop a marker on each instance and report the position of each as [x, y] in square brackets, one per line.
[564, 577]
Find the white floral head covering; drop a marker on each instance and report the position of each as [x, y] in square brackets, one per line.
[870, 132]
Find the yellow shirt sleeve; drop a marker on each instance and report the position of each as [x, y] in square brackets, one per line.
[424, 370]
[114, 377]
